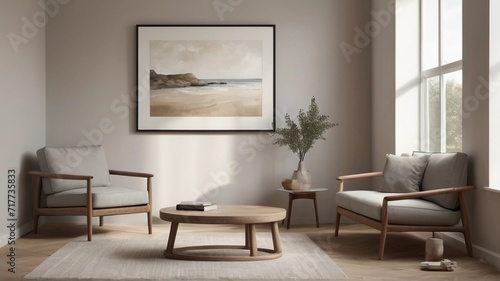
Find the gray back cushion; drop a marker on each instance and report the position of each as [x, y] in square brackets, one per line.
[74, 160]
[445, 170]
[403, 173]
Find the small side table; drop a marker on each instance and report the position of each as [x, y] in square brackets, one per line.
[301, 194]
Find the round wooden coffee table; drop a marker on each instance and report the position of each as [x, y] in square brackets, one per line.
[226, 214]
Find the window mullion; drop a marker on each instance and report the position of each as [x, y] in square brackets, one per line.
[440, 33]
[443, 112]
[424, 124]
[441, 80]
[425, 136]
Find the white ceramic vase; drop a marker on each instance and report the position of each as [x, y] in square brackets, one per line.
[303, 176]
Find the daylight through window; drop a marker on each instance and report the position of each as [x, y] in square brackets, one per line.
[441, 74]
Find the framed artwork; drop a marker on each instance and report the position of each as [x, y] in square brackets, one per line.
[205, 77]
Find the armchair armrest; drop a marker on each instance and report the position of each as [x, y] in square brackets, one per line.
[138, 175]
[421, 194]
[59, 176]
[130, 174]
[39, 175]
[357, 176]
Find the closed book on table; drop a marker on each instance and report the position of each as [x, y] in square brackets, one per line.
[196, 206]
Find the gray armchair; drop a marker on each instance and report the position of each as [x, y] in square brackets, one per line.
[75, 181]
[423, 192]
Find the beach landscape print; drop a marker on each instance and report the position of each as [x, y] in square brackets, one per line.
[206, 77]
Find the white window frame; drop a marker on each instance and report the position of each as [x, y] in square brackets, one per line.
[494, 97]
[440, 71]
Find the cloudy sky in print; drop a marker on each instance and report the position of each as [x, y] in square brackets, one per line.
[217, 59]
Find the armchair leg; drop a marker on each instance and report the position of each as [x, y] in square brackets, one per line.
[337, 224]
[383, 236]
[465, 223]
[101, 220]
[35, 224]
[89, 227]
[383, 231]
[150, 222]
[38, 188]
[468, 242]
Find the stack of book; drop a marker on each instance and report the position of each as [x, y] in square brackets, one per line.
[196, 206]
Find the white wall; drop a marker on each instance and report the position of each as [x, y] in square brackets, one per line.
[91, 65]
[383, 86]
[22, 109]
[407, 76]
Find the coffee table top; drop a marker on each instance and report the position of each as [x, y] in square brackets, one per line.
[225, 214]
[311, 190]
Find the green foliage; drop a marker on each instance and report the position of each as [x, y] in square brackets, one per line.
[301, 138]
[453, 118]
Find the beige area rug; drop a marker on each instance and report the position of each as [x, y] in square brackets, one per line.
[142, 259]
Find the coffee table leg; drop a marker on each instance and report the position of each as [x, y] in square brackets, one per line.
[247, 237]
[276, 237]
[250, 244]
[252, 240]
[171, 237]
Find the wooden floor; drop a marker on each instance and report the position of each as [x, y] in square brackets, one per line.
[355, 250]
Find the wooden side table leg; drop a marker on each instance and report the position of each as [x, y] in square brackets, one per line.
[316, 210]
[289, 214]
[171, 237]
[276, 237]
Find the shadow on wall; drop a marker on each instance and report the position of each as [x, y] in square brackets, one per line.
[25, 188]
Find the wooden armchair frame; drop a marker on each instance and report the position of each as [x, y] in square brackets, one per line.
[384, 225]
[88, 210]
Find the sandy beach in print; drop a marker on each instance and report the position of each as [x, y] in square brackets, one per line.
[235, 98]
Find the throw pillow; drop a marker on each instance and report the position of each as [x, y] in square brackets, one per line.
[445, 170]
[403, 173]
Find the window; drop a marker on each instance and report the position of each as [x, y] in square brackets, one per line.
[441, 75]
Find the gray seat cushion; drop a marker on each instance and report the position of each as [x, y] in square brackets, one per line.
[445, 170]
[75, 160]
[404, 212]
[102, 197]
